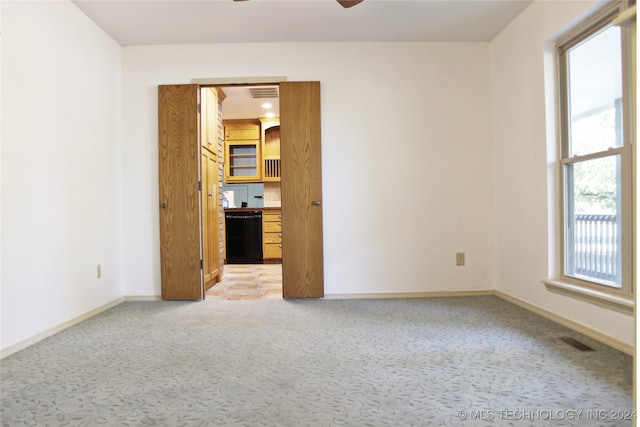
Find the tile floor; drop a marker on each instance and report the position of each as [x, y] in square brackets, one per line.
[248, 282]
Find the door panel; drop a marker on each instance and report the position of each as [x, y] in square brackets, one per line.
[204, 203]
[178, 159]
[209, 131]
[210, 220]
[301, 187]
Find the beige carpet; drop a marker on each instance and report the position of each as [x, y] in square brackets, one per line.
[404, 362]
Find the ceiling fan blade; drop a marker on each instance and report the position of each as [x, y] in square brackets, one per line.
[349, 3]
[344, 3]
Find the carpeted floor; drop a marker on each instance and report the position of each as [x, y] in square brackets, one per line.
[398, 362]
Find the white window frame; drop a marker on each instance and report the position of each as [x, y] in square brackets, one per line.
[593, 290]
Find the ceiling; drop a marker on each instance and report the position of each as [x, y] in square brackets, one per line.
[150, 22]
[241, 104]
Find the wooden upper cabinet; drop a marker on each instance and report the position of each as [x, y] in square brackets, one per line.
[241, 130]
[270, 149]
[242, 150]
[209, 119]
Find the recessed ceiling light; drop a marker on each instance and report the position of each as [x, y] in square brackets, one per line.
[266, 105]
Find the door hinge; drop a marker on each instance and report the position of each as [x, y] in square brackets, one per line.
[199, 185]
[201, 265]
[198, 107]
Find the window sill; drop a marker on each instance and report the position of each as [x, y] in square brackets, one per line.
[622, 304]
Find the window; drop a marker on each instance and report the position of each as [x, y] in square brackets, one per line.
[595, 83]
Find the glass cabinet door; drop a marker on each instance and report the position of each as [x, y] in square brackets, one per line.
[242, 161]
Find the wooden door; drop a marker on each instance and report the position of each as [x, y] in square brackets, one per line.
[178, 160]
[301, 187]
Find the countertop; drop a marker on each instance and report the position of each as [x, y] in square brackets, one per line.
[252, 209]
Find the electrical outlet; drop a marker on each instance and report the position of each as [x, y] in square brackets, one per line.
[459, 258]
[99, 271]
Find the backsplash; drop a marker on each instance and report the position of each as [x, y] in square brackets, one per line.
[272, 195]
[255, 195]
[251, 194]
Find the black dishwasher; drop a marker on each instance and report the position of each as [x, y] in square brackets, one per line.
[244, 237]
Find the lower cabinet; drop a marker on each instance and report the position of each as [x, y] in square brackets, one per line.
[272, 235]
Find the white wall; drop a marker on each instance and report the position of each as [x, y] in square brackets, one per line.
[522, 174]
[61, 168]
[406, 156]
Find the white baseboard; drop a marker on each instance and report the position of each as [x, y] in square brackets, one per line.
[578, 327]
[143, 298]
[429, 294]
[51, 331]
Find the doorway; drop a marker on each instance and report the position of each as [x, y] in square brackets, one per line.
[248, 282]
[182, 181]
[250, 188]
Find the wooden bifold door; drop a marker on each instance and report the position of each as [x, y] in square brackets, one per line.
[179, 175]
[302, 256]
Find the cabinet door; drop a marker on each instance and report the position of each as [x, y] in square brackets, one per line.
[272, 235]
[209, 132]
[241, 161]
[242, 151]
[271, 154]
[210, 219]
[241, 130]
[270, 149]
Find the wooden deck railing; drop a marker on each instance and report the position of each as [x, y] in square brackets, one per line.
[597, 247]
